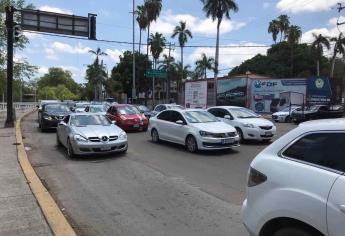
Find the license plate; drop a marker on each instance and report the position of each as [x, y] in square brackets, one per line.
[136, 126]
[105, 148]
[268, 133]
[227, 141]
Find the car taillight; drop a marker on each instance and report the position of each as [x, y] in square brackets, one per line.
[255, 177]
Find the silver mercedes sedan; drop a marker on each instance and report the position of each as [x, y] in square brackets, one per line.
[86, 134]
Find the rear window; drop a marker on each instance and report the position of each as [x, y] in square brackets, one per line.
[323, 149]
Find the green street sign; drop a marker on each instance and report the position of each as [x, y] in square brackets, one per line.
[161, 74]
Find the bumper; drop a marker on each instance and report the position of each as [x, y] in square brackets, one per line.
[258, 133]
[97, 148]
[217, 143]
[47, 124]
[248, 218]
[279, 118]
[133, 127]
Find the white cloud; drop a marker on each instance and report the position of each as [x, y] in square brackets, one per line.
[167, 22]
[55, 9]
[66, 48]
[114, 55]
[297, 6]
[266, 5]
[42, 70]
[230, 57]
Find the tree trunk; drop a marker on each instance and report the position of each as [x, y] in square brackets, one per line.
[147, 55]
[182, 62]
[332, 66]
[205, 73]
[292, 61]
[139, 40]
[318, 67]
[216, 63]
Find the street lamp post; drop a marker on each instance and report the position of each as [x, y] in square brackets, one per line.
[133, 51]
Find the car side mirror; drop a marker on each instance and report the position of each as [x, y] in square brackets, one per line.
[37, 106]
[228, 117]
[62, 123]
[72, 109]
[180, 122]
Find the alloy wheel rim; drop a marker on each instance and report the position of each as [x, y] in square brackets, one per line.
[154, 136]
[191, 144]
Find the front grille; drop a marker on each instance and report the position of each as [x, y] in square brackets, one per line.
[94, 139]
[267, 135]
[225, 135]
[274, 117]
[216, 145]
[266, 127]
[113, 138]
[58, 117]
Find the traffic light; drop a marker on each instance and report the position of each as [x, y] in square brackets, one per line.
[17, 33]
[92, 27]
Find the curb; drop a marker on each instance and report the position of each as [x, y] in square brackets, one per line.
[56, 220]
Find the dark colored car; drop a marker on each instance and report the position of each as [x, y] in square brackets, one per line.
[317, 112]
[127, 117]
[51, 114]
[145, 110]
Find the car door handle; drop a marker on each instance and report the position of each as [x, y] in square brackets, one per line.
[342, 208]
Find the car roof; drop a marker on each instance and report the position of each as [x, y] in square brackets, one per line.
[324, 125]
[227, 107]
[121, 105]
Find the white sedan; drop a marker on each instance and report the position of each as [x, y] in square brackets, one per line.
[285, 114]
[196, 129]
[296, 186]
[249, 125]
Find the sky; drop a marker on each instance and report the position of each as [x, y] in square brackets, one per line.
[114, 22]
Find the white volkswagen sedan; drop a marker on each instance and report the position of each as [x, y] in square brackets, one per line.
[194, 128]
[296, 186]
[249, 125]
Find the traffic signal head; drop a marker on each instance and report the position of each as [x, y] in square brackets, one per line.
[17, 33]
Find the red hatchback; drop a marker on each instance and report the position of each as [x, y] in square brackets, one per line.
[127, 117]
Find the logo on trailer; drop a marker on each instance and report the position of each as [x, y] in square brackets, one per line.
[319, 83]
[260, 84]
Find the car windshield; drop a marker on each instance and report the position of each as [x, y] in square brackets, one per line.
[81, 105]
[143, 108]
[85, 120]
[128, 110]
[175, 107]
[199, 117]
[95, 109]
[243, 113]
[57, 108]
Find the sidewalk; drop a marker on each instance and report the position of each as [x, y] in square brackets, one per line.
[19, 211]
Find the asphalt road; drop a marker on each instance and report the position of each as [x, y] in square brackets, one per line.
[155, 189]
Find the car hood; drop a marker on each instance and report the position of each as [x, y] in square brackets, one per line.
[256, 121]
[214, 127]
[281, 113]
[57, 113]
[303, 112]
[97, 130]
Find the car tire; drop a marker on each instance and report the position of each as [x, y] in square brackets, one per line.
[288, 119]
[58, 142]
[240, 134]
[296, 231]
[155, 136]
[191, 144]
[70, 152]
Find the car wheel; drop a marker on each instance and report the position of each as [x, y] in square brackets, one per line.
[295, 231]
[58, 140]
[70, 152]
[191, 144]
[240, 134]
[287, 119]
[155, 136]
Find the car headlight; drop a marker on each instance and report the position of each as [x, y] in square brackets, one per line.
[248, 125]
[47, 117]
[123, 136]
[205, 134]
[79, 138]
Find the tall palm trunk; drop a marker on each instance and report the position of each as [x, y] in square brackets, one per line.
[318, 67]
[332, 66]
[139, 40]
[216, 63]
[205, 73]
[292, 61]
[182, 63]
[147, 55]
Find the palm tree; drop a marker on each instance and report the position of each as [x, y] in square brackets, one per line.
[204, 64]
[273, 29]
[319, 42]
[178, 69]
[157, 43]
[98, 53]
[217, 9]
[339, 47]
[142, 21]
[293, 36]
[183, 34]
[153, 9]
[283, 24]
[166, 62]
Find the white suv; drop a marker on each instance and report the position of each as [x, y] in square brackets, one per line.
[296, 186]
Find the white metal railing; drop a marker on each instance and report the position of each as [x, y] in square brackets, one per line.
[19, 105]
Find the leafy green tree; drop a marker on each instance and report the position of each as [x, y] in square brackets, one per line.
[217, 10]
[339, 48]
[319, 42]
[293, 36]
[98, 53]
[157, 44]
[61, 92]
[273, 29]
[204, 64]
[183, 34]
[142, 21]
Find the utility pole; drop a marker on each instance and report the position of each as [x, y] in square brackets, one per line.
[9, 26]
[168, 72]
[134, 94]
